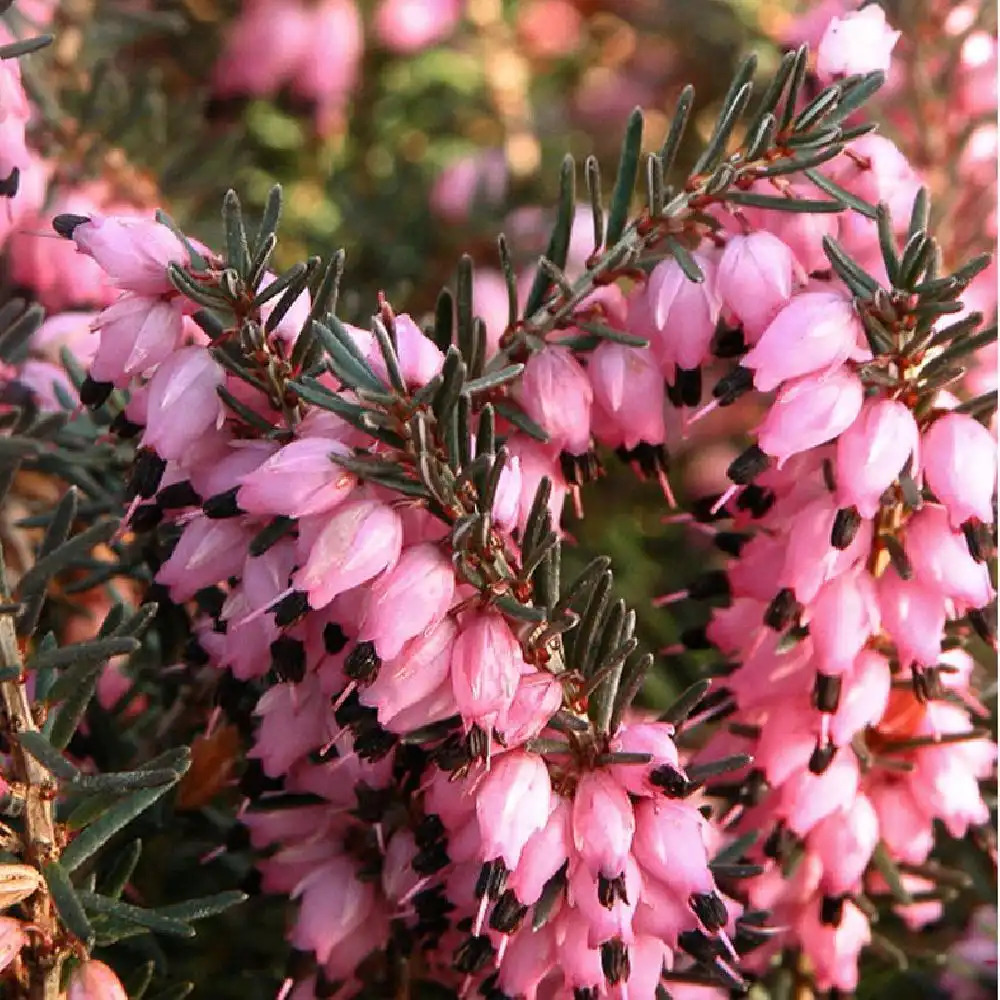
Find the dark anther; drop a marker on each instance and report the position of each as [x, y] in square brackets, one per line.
[374, 742]
[288, 659]
[778, 842]
[431, 859]
[334, 639]
[688, 381]
[300, 965]
[747, 466]
[350, 711]
[254, 782]
[10, 184]
[252, 883]
[178, 495]
[674, 394]
[372, 802]
[194, 653]
[210, 601]
[479, 742]
[822, 758]
[147, 471]
[927, 684]
[673, 783]
[508, 913]
[290, 608]
[831, 910]
[124, 427]
[66, 223]
[429, 830]
[755, 499]
[238, 838]
[983, 622]
[585, 993]
[362, 663]
[610, 890]
[222, 505]
[783, 610]
[146, 517]
[709, 909]
[695, 638]
[473, 954]
[731, 542]
[614, 961]
[728, 342]
[326, 989]
[714, 583]
[492, 879]
[829, 479]
[698, 945]
[650, 459]
[979, 539]
[452, 753]
[93, 393]
[324, 754]
[845, 527]
[730, 387]
[580, 469]
[826, 693]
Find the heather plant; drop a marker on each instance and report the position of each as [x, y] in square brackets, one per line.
[337, 560]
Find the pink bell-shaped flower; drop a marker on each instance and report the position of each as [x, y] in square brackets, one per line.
[543, 855]
[555, 393]
[183, 402]
[842, 617]
[486, 664]
[914, 616]
[407, 599]
[960, 466]
[844, 842]
[628, 395]
[756, 278]
[873, 451]
[135, 253]
[13, 938]
[208, 551]
[859, 42]
[603, 824]
[136, 333]
[810, 411]
[683, 313]
[815, 332]
[93, 980]
[359, 540]
[512, 803]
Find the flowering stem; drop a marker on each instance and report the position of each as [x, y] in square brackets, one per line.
[40, 843]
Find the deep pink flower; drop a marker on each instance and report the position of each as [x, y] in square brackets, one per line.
[359, 540]
[941, 560]
[512, 803]
[555, 393]
[93, 980]
[960, 465]
[416, 672]
[842, 617]
[914, 615]
[815, 332]
[683, 313]
[873, 451]
[834, 950]
[486, 665]
[845, 841]
[208, 551]
[543, 854]
[860, 42]
[628, 395]
[297, 480]
[538, 697]
[603, 824]
[756, 278]
[863, 697]
[807, 798]
[810, 411]
[293, 722]
[183, 402]
[136, 333]
[407, 599]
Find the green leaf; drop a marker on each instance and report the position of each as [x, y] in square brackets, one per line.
[510, 411]
[444, 320]
[558, 247]
[271, 217]
[678, 124]
[887, 242]
[237, 248]
[685, 260]
[102, 829]
[592, 172]
[295, 289]
[682, 707]
[841, 194]
[197, 291]
[610, 333]
[856, 91]
[389, 356]
[796, 77]
[121, 870]
[348, 362]
[501, 376]
[628, 169]
[887, 868]
[48, 756]
[177, 991]
[93, 651]
[24, 46]
[67, 902]
[732, 110]
[15, 337]
[816, 109]
[149, 919]
[202, 907]
[859, 281]
[811, 206]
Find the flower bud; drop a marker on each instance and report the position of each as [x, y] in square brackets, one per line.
[960, 465]
[93, 980]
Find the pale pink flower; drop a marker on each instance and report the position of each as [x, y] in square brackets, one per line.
[486, 664]
[815, 332]
[293, 722]
[628, 395]
[845, 841]
[407, 599]
[183, 402]
[683, 313]
[411, 25]
[842, 617]
[208, 551]
[960, 465]
[810, 411]
[756, 277]
[543, 854]
[359, 540]
[603, 824]
[863, 697]
[512, 803]
[555, 393]
[914, 617]
[93, 980]
[834, 951]
[859, 42]
[136, 333]
[873, 451]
